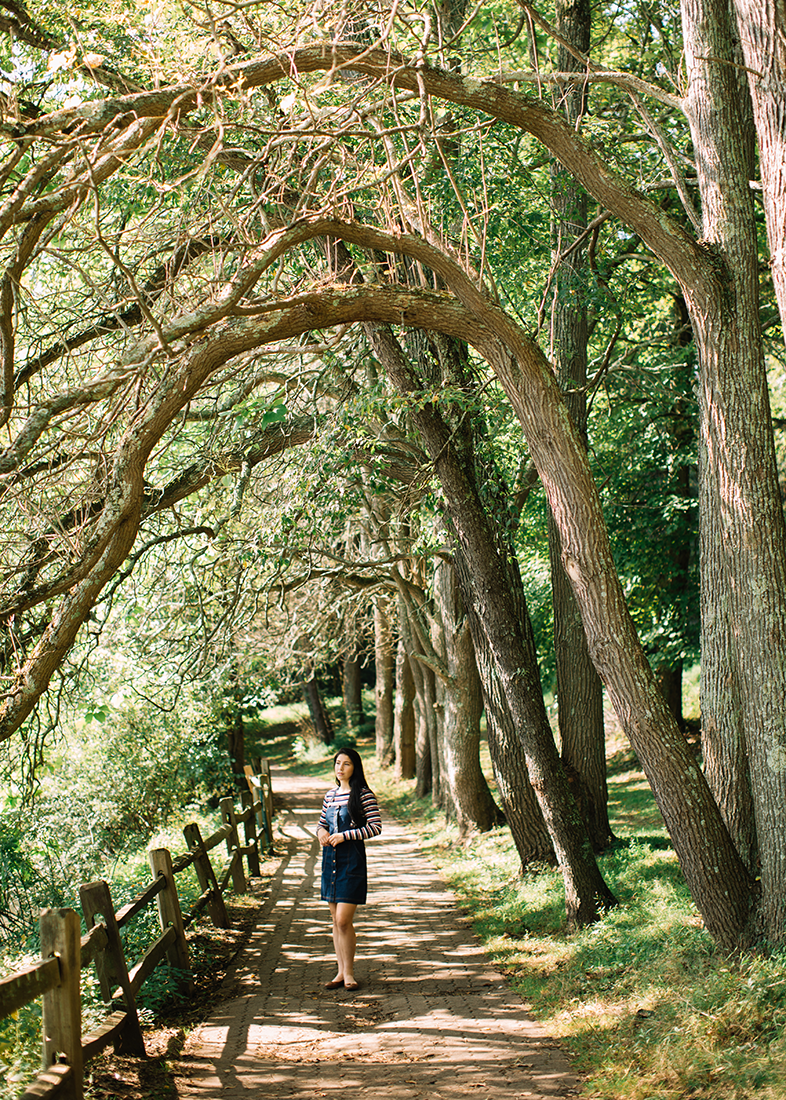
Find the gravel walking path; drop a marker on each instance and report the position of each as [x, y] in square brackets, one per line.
[432, 1019]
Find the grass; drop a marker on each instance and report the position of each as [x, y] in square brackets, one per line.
[643, 1001]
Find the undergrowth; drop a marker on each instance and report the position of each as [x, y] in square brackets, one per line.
[643, 1001]
[20, 1034]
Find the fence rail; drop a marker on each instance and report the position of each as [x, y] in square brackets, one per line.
[56, 978]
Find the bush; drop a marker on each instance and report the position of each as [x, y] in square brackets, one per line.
[115, 777]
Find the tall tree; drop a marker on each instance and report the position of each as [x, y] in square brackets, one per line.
[509, 639]
[745, 512]
[460, 703]
[404, 716]
[385, 679]
[579, 689]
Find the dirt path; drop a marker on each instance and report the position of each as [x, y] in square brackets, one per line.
[432, 1018]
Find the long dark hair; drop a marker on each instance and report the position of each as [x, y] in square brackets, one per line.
[357, 784]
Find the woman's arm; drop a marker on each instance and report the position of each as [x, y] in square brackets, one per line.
[373, 826]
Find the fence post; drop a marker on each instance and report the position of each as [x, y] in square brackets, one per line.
[169, 911]
[62, 1006]
[111, 965]
[262, 765]
[206, 875]
[250, 833]
[255, 787]
[227, 807]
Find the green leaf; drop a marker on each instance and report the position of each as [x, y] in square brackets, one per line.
[274, 415]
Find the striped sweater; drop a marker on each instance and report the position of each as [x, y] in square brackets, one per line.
[373, 826]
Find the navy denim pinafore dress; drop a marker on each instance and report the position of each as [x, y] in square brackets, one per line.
[344, 875]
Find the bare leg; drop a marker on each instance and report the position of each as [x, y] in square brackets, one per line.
[344, 939]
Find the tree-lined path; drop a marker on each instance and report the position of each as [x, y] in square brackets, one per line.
[432, 1017]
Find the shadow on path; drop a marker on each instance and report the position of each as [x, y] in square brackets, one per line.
[432, 1018]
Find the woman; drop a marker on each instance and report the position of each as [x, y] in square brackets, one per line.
[350, 815]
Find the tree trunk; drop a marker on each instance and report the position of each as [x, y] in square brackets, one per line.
[431, 656]
[579, 706]
[385, 666]
[746, 512]
[320, 719]
[762, 31]
[586, 894]
[669, 678]
[351, 690]
[722, 730]
[579, 689]
[444, 361]
[508, 759]
[232, 713]
[427, 774]
[404, 716]
[236, 744]
[459, 692]
[426, 767]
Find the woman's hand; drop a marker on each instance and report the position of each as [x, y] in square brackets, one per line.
[335, 840]
[323, 836]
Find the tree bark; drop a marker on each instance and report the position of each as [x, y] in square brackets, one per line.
[404, 716]
[385, 667]
[723, 742]
[579, 689]
[351, 690]
[460, 696]
[745, 511]
[762, 31]
[320, 719]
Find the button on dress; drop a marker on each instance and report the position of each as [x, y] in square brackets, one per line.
[344, 874]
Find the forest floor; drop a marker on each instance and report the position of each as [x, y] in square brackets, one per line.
[432, 1018]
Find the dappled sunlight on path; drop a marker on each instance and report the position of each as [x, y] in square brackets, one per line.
[432, 1017]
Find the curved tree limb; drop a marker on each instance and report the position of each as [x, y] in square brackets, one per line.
[660, 232]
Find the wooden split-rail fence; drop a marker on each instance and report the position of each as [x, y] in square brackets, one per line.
[65, 952]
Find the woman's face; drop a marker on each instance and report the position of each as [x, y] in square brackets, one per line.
[344, 768]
